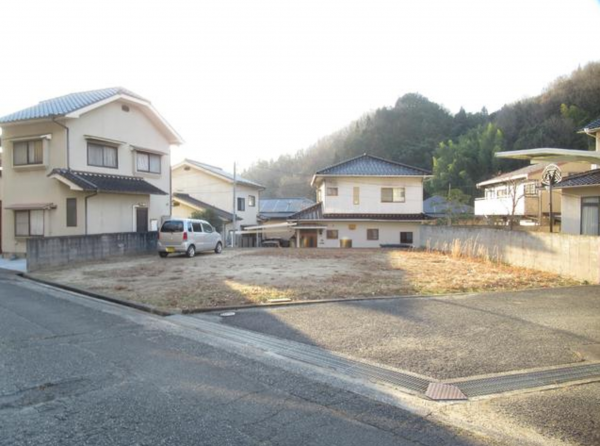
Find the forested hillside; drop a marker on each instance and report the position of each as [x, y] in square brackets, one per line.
[458, 148]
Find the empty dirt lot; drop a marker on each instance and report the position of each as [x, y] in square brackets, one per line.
[248, 276]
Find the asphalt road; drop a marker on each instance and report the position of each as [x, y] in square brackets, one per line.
[447, 337]
[77, 374]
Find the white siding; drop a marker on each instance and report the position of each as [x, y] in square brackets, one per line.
[571, 207]
[389, 233]
[370, 195]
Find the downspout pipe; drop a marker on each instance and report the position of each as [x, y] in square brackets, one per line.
[68, 142]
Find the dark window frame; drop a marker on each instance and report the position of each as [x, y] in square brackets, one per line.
[329, 191]
[405, 236]
[71, 218]
[330, 232]
[104, 147]
[391, 200]
[589, 205]
[251, 201]
[370, 236]
[241, 204]
[28, 162]
[28, 212]
[148, 154]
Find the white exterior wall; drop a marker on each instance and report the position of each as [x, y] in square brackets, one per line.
[134, 129]
[31, 184]
[503, 205]
[571, 207]
[389, 233]
[216, 191]
[370, 195]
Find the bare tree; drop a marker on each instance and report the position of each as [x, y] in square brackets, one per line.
[515, 195]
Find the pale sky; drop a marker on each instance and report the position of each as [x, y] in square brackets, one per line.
[243, 80]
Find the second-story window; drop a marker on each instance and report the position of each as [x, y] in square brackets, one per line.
[28, 152]
[356, 195]
[251, 201]
[102, 156]
[530, 189]
[241, 204]
[392, 195]
[332, 191]
[490, 194]
[501, 192]
[148, 162]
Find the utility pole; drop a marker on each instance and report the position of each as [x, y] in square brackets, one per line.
[233, 235]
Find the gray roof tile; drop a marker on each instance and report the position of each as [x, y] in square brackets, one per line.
[589, 178]
[63, 105]
[201, 204]
[100, 182]
[316, 213]
[368, 165]
[229, 176]
[595, 124]
[282, 207]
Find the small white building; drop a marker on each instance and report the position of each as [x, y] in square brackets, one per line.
[365, 202]
[199, 186]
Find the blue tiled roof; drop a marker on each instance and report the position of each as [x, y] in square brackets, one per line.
[218, 171]
[592, 125]
[368, 165]
[283, 207]
[63, 105]
[583, 179]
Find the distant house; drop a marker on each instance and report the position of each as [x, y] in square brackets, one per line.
[198, 186]
[581, 195]
[363, 202]
[276, 211]
[85, 163]
[439, 207]
[521, 194]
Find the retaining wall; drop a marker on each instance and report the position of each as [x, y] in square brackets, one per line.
[576, 256]
[50, 252]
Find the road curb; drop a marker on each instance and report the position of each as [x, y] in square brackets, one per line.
[127, 303]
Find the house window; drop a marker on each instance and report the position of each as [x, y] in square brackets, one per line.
[356, 195]
[530, 189]
[406, 238]
[332, 234]
[490, 194]
[502, 192]
[241, 204]
[29, 223]
[102, 156]
[28, 152]
[251, 201]
[392, 195]
[148, 162]
[71, 212]
[332, 191]
[372, 234]
[590, 215]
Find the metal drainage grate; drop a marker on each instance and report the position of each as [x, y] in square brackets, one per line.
[311, 355]
[413, 383]
[527, 380]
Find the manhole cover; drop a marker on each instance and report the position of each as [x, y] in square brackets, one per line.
[441, 392]
[227, 314]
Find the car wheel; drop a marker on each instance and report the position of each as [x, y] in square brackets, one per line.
[191, 251]
[163, 254]
[219, 248]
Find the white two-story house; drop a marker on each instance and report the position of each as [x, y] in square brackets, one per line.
[199, 186]
[364, 202]
[85, 163]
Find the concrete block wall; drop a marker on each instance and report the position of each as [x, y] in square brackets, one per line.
[575, 256]
[50, 252]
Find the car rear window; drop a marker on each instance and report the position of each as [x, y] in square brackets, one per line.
[172, 226]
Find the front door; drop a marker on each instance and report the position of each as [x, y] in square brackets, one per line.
[141, 219]
[309, 239]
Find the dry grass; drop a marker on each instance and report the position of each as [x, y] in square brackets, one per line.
[258, 275]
